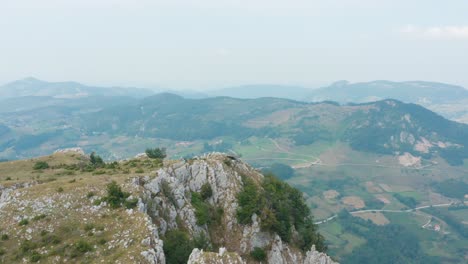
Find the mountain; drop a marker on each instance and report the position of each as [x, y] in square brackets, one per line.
[371, 173]
[144, 211]
[64, 90]
[384, 127]
[449, 100]
[265, 90]
[412, 92]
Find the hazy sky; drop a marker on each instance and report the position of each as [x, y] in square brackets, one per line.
[216, 43]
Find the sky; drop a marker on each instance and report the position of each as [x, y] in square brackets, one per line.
[210, 44]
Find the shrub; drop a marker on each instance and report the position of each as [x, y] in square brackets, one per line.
[8, 178]
[115, 196]
[249, 201]
[177, 247]
[41, 165]
[50, 239]
[139, 170]
[206, 191]
[27, 246]
[167, 191]
[2, 251]
[258, 254]
[82, 246]
[156, 153]
[35, 256]
[90, 195]
[202, 210]
[39, 217]
[5, 237]
[281, 209]
[96, 160]
[60, 189]
[24, 222]
[201, 242]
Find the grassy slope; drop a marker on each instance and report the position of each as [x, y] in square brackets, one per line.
[61, 212]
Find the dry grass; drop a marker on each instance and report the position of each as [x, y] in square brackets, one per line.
[354, 201]
[377, 218]
[64, 222]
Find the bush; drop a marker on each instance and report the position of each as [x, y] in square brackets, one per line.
[83, 246]
[48, 239]
[35, 256]
[249, 201]
[167, 191]
[206, 191]
[202, 210]
[201, 242]
[5, 237]
[90, 195]
[115, 196]
[281, 209]
[8, 178]
[39, 217]
[41, 165]
[177, 247]
[156, 153]
[258, 254]
[60, 189]
[96, 160]
[24, 222]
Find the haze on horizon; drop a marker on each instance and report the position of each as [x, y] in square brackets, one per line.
[211, 44]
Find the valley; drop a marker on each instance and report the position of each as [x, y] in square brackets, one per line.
[366, 170]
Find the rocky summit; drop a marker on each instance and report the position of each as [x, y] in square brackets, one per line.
[138, 211]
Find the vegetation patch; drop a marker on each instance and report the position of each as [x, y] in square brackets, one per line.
[281, 209]
[41, 165]
[204, 211]
[451, 188]
[156, 153]
[115, 196]
[258, 254]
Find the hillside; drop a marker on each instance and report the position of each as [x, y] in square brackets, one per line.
[396, 127]
[65, 208]
[445, 99]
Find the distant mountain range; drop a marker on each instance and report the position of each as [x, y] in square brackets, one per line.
[414, 92]
[385, 127]
[451, 101]
[65, 90]
[264, 90]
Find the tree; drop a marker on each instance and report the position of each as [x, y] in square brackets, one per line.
[177, 247]
[156, 153]
[96, 160]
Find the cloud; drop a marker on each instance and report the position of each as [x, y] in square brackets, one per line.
[436, 32]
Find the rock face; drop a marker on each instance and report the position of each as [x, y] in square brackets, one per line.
[167, 200]
[78, 151]
[200, 257]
